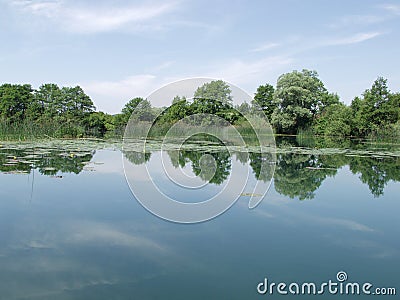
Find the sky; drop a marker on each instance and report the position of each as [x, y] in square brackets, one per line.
[118, 50]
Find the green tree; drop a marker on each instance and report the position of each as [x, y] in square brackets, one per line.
[264, 100]
[14, 101]
[130, 107]
[34, 111]
[360, 123]
[49, 97]
[299, 96]
[336, 119]
[178, 110]
[138, 108]
[376, 110]
[244, 108]
[99, 123]
[76, 104]
[214, 90]
[73, 109]
[215, 98]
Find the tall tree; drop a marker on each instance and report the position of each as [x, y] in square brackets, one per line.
[49, 97]
[212, 97]
[214, 90]
[264, 99]
[377, 109]
[299, 96]
[14, 101]
[138, 108]
[76, 103]
[178, 110]
[215, 98]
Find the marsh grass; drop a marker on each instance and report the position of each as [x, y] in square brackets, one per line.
[231, 135]
[27, 131]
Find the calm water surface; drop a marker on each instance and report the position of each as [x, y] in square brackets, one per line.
[70, 227]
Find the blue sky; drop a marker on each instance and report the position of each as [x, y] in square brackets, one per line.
[117, 50]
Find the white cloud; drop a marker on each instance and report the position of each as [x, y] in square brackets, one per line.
[372, 248]
[354, 39]
[352, 20]
[265, 47]
[111, 96]
[243, 72]
[50, 249]
[92, 232]
[393, 8]
[43, 8]
[346, 224]
[164, 65]
[84, 19]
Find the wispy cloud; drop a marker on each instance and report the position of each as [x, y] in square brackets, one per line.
[371, 248]
[164, 65]
[52, 252]
[354, 39]
[392, 8]
[240, 71]
[352, 20]
[346, 224]
[43, 8]
[111, 96]
[84, 19]
[265, 47]
[100, 233]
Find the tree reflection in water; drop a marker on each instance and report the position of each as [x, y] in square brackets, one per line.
[297, 175]
[213, 167]
[46, 161]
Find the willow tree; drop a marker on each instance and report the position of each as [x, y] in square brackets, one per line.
[299, 97]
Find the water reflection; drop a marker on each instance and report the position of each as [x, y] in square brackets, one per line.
[48, 161]
[375, 172]
[136, 157]
[90, 220]
[213, 167]
[300, 176]
[299, 172]
[296, 175]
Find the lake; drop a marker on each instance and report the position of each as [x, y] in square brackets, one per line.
[71, 228]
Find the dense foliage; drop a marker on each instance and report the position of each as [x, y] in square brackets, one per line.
[65, 111]
[300, 102]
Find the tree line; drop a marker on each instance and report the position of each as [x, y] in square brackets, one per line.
[65, 111]
[299, 103]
